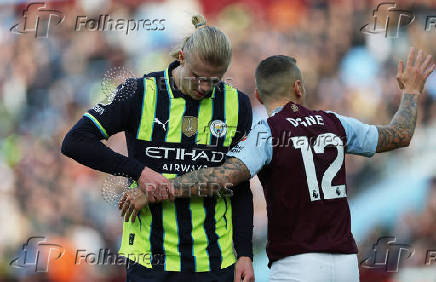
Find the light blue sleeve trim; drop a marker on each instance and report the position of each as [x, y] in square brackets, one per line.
[362, 138]
[255, 150]
[97, 124]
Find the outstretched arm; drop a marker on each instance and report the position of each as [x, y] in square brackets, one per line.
[400, 130]
[202, 182]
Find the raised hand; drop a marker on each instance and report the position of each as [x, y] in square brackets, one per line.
[412, 78]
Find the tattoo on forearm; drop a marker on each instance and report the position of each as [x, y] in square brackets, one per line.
[209, 181]
[400, 131]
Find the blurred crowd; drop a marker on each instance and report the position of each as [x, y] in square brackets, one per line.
[46, 84]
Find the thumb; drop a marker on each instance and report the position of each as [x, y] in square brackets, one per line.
[400, 68]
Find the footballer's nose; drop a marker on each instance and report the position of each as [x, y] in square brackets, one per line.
[204, 87]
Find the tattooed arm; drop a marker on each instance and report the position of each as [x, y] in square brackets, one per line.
[208, 181]
[400, 131]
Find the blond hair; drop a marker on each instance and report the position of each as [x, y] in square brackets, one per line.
[209, 43]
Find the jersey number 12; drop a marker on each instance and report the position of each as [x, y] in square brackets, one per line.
[323, 140]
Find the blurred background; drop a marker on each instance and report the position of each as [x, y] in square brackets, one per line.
[46, 84]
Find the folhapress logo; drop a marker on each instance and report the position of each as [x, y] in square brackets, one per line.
[37, 253]
[38, 18]
[388, 19]
[387, 255]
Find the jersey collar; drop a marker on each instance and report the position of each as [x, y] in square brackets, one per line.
[276, 110]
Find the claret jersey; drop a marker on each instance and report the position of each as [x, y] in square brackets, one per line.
[298, 155]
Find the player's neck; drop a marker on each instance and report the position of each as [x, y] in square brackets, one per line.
[176, 76]
[270, 107]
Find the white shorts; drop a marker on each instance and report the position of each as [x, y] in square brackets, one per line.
[314, 267]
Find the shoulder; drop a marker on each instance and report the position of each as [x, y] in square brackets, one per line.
[244, 99]
[262, 126]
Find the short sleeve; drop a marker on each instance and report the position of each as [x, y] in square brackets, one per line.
[113, 117]
[362, 138]
[254, 150]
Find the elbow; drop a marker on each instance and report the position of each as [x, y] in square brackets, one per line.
[67, 146]
[406, 142]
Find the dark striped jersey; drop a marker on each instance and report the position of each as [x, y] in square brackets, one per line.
[172, 134]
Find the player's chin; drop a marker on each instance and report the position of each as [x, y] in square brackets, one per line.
[197, 95]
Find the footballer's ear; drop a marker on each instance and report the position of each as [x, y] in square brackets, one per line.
[258, 97]
[181, 57]
[298, 89]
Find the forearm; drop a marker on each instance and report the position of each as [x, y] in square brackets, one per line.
[210, 180]
[400, 131]
[83, 145]
[242, 216]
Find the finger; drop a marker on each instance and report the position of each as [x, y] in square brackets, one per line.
[129, 212]
[150, 197]
[418, 59]
[400, 83]
[134, 214]
[125, 207]
[237, 276]
[400, 68]
[410, 57]
[429, 71]
[163, 192]
[426, 63]
[123, 199]
[171, 196]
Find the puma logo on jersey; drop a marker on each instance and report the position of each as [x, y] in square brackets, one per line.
[156, 120]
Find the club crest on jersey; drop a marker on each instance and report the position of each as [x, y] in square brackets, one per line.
[189, 125]
[294, 108]
[218, 128]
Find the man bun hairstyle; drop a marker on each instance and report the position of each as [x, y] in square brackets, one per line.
[208, 43]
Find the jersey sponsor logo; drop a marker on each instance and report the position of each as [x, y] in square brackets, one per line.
[184, 154]
[156, 120]
[176, 168]
[189, 125]
[218, 128]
